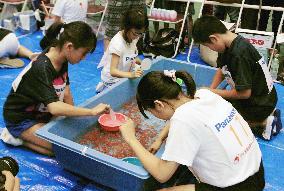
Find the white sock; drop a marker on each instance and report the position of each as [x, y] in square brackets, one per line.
[268, 128]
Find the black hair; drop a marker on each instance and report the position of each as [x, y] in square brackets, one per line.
[134, 18]
[80, 34]
[157, 86]
[205, 26]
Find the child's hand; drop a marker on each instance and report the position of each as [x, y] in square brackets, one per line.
[33, 56]
[101, 108]
[155, 146]
[127, 130]
[137, 73]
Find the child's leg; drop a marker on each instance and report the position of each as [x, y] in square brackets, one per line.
[24, 52]
[32, 142]
[263, 129]
[271, 126]
[262, 120]
[189, 187]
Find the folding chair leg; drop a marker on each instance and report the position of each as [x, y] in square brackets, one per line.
[3, 11]
[24, 5]
[102, 18]
[181, 30]
[192, 41]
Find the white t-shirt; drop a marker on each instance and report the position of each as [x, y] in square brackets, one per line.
[9, 45]
[71, 10]
[127, 53]
[210, 137]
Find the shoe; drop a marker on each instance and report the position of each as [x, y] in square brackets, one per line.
[270, 125]
[277, 115]
[11, 63]
[100, 87]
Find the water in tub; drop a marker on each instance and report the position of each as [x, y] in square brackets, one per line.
[112, 143]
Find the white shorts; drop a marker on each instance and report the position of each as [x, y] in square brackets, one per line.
[9, 45]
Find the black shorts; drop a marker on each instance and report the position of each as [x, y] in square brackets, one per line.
[255, 182]
[254, 114]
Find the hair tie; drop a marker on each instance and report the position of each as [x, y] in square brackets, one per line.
[60, 32]
[171, 74]
[179, 81]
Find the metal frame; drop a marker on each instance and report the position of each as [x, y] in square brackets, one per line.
[7, 2]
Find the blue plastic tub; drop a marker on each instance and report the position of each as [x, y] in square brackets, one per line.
[97, 166]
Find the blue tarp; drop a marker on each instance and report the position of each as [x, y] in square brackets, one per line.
[38, 172]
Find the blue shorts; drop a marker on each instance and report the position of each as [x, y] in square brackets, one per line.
[16, 129]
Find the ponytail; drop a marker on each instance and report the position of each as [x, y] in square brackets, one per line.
[50, 38]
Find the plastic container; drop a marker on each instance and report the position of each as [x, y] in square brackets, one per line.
[132, 160]
[108, 124]
[173, 15]
[27, 24]
[8, 24]
[94, 165]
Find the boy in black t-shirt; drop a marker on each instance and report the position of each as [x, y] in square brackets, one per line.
[251, 87]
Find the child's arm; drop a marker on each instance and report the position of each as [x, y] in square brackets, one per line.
[227, 94]
[121, 74]
[218, 78]
[233, 94]
[160, 169]
[60, 108]
[68, 98]
[162, 136]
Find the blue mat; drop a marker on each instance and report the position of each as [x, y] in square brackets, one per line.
[41, 173]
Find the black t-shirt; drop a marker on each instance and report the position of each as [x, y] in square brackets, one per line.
[242, 62]
[40, 85]
[3, 33]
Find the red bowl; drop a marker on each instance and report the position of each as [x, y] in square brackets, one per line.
[108, 124]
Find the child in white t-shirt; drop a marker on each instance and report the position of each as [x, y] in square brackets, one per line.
[120, 58]
[205, 133]
[10, 47]
[70, 10]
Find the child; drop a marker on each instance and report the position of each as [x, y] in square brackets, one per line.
[68, 11]
[10, 47]
[206, 133]
[119, 60]
[42, 89]
[115, 11]
[252, 92]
